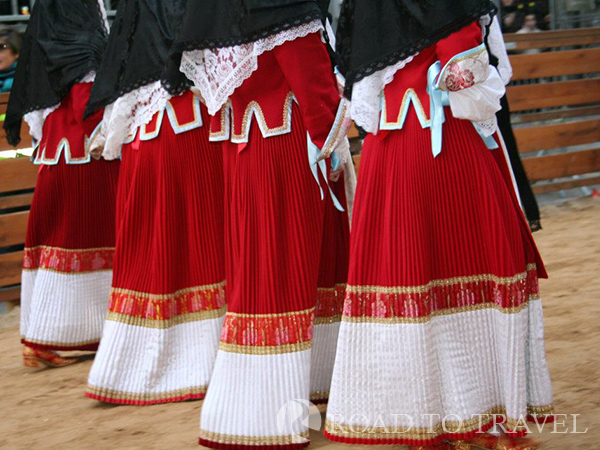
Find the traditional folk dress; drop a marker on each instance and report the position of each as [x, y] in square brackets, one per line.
[68, 258]
[442, 330]
[167, 300]
[277, 112]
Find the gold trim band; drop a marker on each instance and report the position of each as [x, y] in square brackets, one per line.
[144, 397]
[440, 313]
[265, 350]
[62, 344]
[328, 320]
[253, 440]
[95, 249]
[545, 410]
[438, 283]
[163, 324]
[318, 395]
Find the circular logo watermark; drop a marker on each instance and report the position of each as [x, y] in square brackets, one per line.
[295, 417]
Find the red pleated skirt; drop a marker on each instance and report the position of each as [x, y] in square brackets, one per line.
[69, 255]
[442, 314]
[167, 300]
[420, 218]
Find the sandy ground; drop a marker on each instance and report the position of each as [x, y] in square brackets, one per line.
[46, 409]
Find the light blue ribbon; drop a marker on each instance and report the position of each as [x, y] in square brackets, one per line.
[437, 100]
[316, 165]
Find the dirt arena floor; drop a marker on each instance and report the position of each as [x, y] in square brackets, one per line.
[45, 409]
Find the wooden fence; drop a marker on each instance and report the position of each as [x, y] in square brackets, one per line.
[563, 91]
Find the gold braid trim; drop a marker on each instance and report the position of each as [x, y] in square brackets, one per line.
[266, 350]
[253, 440]
[438, 283]
[144, 397]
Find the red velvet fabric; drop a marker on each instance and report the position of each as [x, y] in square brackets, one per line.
[315, 88]
[414, 75]
[67, 122]
[284, 70]
[466, 39]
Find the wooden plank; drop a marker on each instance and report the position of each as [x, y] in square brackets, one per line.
[16, 201]
[549, 39]
[356, 159]
[3, 107]
[562, 165]
[10, 294]
[554, 64]
[353, 133]
[10, 268]
[546, 137]
[552, 34]
[556, 114]
[4, 97]
[549, 95]
[17, 174]
[562, 185]
[12, 228]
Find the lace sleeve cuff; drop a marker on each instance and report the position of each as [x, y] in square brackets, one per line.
[481, 102]
[336, 140]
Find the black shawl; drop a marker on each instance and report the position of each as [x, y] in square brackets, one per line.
[64, 41]
[138, 48]
[375, 34]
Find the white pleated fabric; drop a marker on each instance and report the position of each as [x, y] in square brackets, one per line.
[455, 365]
[154, 366]
[322, 359]
[63, 310]
[256, 390]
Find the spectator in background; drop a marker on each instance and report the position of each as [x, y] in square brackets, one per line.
[10, 47]
[512, 19]
[529, 24]
[514, 13]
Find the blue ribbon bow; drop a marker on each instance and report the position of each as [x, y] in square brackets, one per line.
[438, 99]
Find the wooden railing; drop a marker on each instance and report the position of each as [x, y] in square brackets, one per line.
[25, 138]
[17, 180]
[563, 91]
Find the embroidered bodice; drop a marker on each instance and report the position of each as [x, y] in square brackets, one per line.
[297, 71]
[407, 93]
[454, 72]
[64, 131]
[183, 113]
